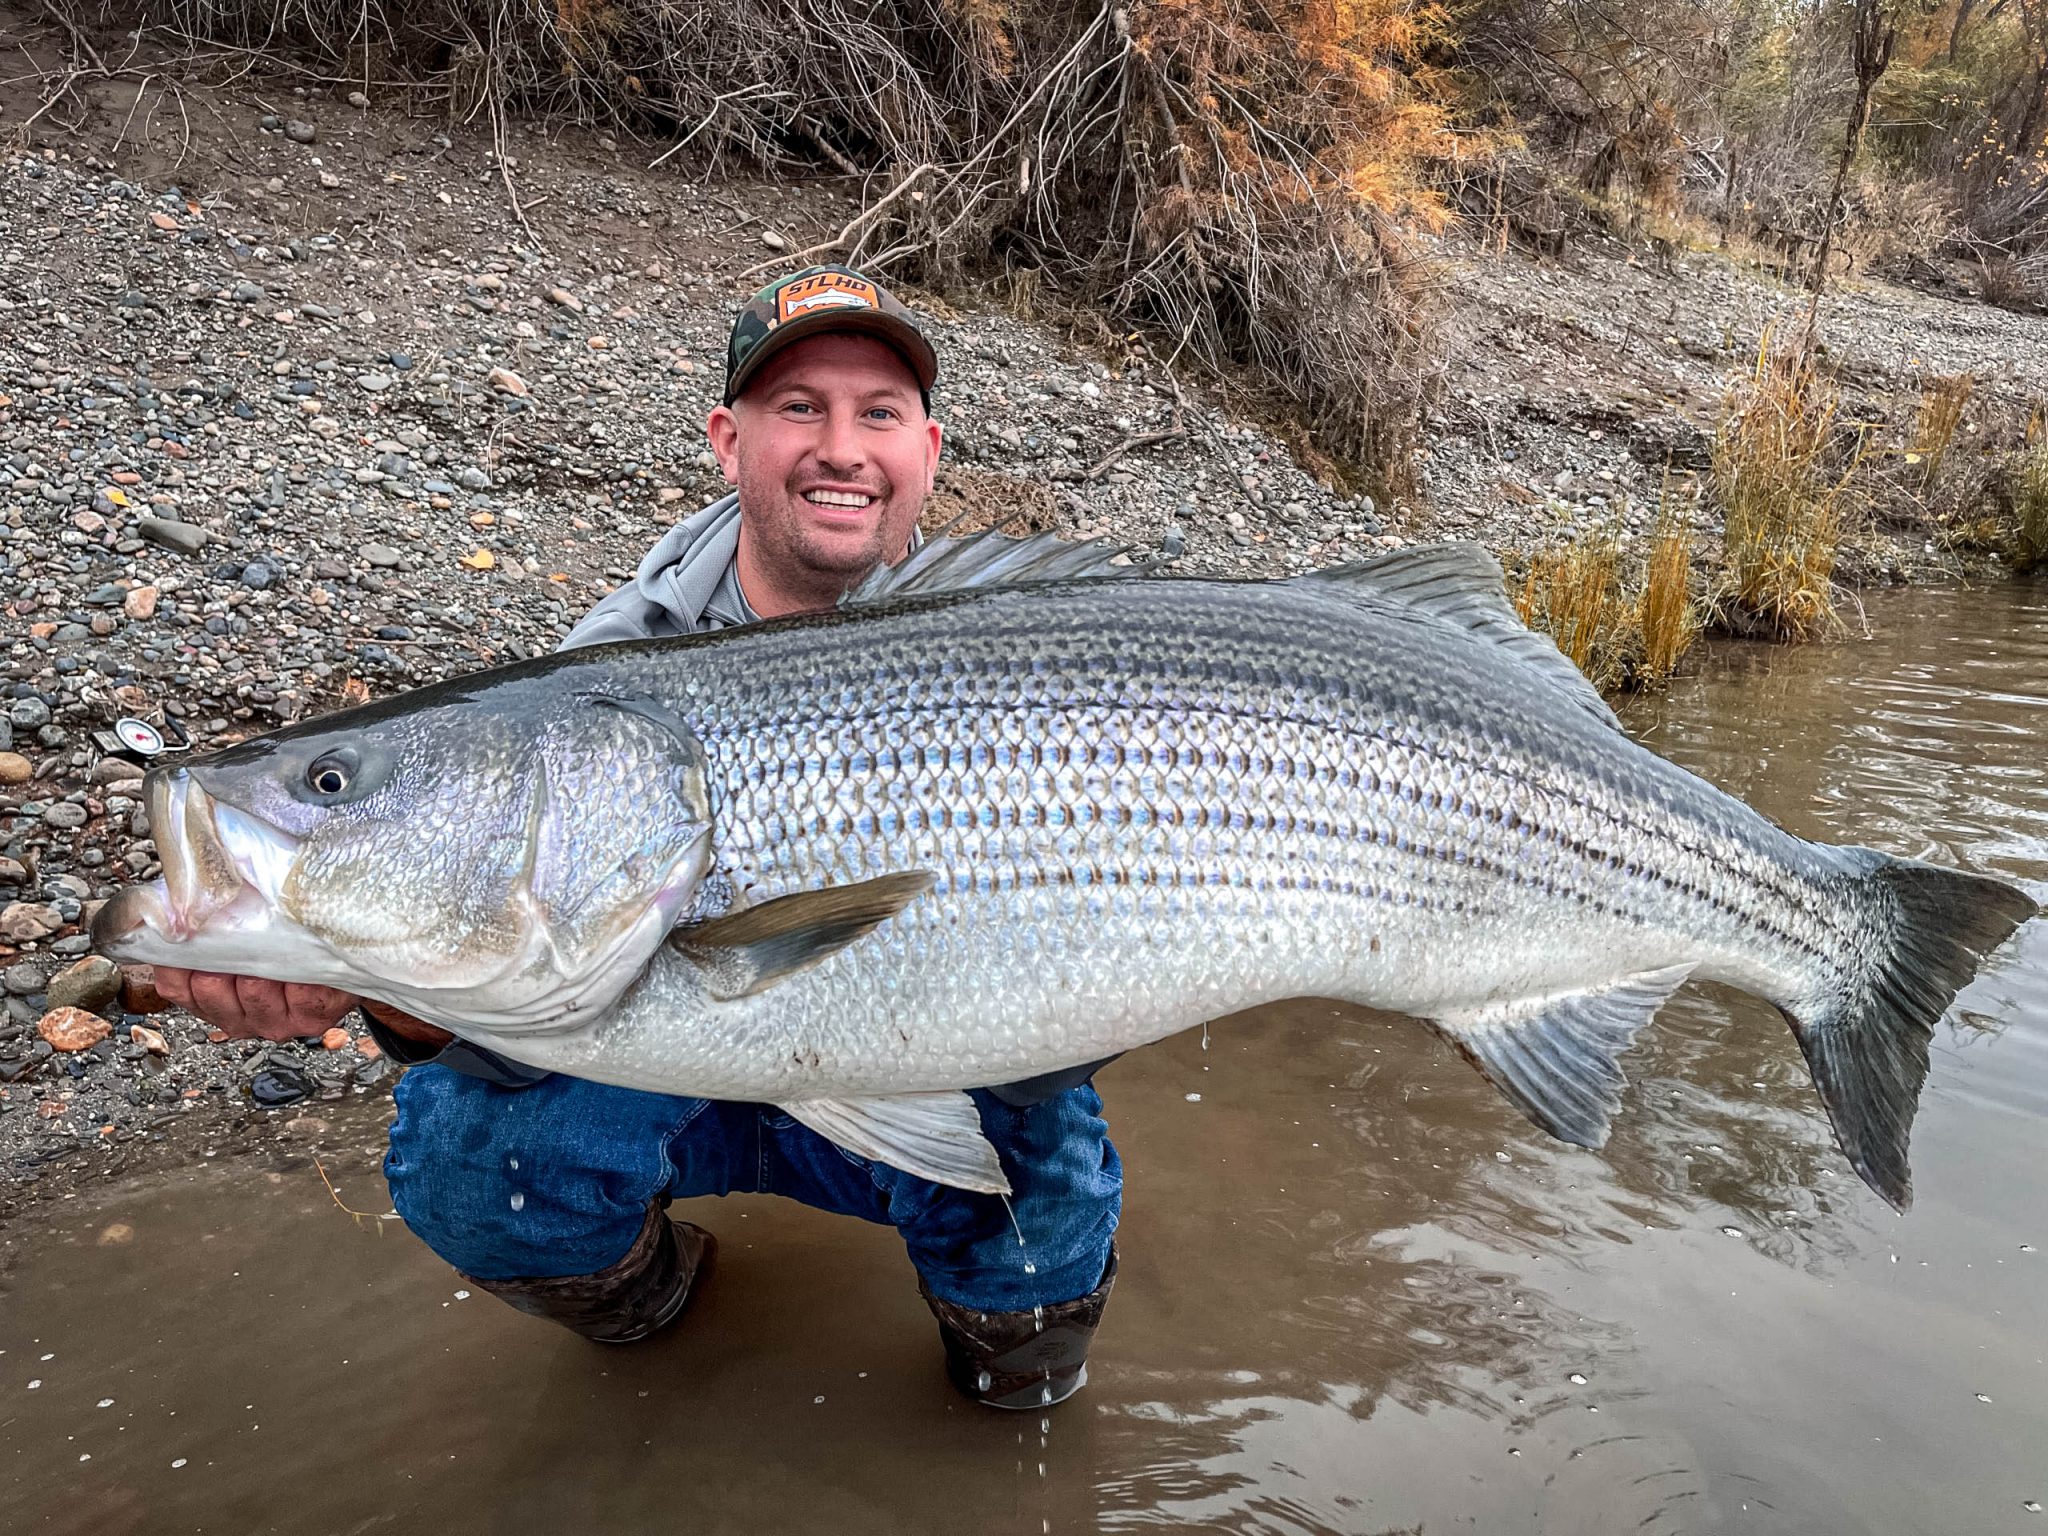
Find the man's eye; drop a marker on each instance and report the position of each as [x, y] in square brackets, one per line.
[883, 413]
[800, 405]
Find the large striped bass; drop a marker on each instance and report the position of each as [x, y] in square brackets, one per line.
[1000, 815]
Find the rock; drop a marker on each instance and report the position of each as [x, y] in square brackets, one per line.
[375, 383]
[29, 714]
[301, 132]
[246, 292]
[773, 241]
[15, 769]
[335, 1039]
[22, 922]
[13, 872]
[138, 990]
[505, 381]
[115, 770]
[73, 1029]
[140, 602]
[90, 984]
[277, 1086]
[24, 978]
[66, 816]
[382, 556]
[359, 101]
[173, 535]
[149, 1039]
[566, 299]
[470, 478]
[257, 576]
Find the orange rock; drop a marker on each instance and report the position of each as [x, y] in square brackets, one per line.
[140, 603]
[368, 1048]
[335, 1039]
[73, 1029]
[148, 1039]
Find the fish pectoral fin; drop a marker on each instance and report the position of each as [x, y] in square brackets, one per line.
[934, 1136]
[1559, 1058]
[746, 951]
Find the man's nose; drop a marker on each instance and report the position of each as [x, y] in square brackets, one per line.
[842, 447]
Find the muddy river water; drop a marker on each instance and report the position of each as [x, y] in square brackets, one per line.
[1359, 1294]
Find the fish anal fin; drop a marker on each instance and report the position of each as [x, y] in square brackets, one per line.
[1558, 1058]
[934, 1136]
[745, 951]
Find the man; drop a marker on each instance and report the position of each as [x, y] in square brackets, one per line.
[549, 1191]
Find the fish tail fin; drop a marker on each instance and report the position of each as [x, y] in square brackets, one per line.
[1924, 932]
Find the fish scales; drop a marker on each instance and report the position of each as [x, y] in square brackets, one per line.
[1148, 805]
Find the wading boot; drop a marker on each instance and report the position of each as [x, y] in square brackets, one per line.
[1021, 1359]
[627, 1301]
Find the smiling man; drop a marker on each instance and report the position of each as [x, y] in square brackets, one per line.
[551, 1192]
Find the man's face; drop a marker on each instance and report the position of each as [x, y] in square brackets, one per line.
[833, 456]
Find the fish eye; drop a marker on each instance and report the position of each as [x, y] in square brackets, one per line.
[331, 773]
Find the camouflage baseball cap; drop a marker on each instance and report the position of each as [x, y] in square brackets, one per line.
[822, 299]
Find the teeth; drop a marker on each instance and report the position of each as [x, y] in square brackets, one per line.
[837, 498]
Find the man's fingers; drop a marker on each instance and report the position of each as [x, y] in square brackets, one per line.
[316, 1007]
[175, 985]
[265, 1010]
[213, 999]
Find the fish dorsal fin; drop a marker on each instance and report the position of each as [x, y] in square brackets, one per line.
[749, 950]
[1462, 584]
[990, 559]
[1558, 1058]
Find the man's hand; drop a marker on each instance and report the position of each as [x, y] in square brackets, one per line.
[248, 1007]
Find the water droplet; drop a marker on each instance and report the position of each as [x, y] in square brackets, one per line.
[819, 1398]
[108, 1402]
[1731, 1231]
[1576, 1379]
[1514, 1450]
[512, 1163]
[86, 1456]
[177, 1464]
[1980, 1398]
[2026, 1247]
[34, 1384]
[462, 1295]
[1030, 1268]
[2031, 1506]
[1192, 1098]
[518, 1200]
[1502, 1157]
[983, 1382]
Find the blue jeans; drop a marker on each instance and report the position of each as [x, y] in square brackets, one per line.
[555, 1179]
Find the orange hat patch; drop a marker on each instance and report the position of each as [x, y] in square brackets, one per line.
[823, 290]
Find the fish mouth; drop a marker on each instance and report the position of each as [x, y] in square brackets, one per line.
[221, 869]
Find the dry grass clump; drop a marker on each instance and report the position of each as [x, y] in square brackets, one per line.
[2030, 497]
[1236, 178]
[1781, 498]
[1943, 399]
[1574, 594]
[1623, 625]
[1667, 614]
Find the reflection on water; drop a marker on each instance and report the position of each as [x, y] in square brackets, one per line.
[1359, 1293]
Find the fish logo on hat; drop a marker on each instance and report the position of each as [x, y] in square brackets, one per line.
[823, 290]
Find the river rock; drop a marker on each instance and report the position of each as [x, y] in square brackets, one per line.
[173, 535]
[277, 1086]
[15, 769]
[22, 922]
[90, 984]
[116, 770]
[140, 603]
[73, 1029]
[24, 978]
[66, 816]
[149, 1039]
[382, 556]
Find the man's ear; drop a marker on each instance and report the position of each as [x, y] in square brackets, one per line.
[934, 440]
[723, 428]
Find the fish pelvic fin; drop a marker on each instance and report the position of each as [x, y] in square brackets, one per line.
[750, 950]
[1557, 1058]
[1928, 929]
[935, 1136]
